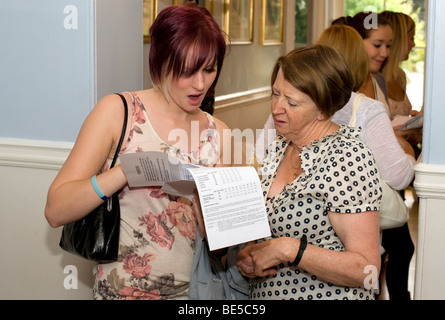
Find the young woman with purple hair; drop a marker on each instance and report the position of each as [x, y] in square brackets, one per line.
[157, 229]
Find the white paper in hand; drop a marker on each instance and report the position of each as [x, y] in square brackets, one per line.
[232, 204]
[408, 122]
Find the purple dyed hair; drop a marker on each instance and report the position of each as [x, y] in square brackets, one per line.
[183, 38]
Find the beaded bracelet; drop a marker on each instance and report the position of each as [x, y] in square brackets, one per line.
[303, 244]
[96, 188]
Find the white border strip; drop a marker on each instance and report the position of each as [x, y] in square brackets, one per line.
[241, 99]
[430, 181]
[33, 153]
[430, 188]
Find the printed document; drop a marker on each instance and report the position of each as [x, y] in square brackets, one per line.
[154, 168]
[231, 198]
[232, 205]
[408, 122]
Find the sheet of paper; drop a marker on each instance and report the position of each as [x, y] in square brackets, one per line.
[154, 168]
[232, 204]
[408, 122]
[183, 188]
[231, 197]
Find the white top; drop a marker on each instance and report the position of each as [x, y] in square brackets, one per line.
[395, 166]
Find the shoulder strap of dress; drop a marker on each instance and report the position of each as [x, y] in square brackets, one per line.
[131, 95]
[211, 121]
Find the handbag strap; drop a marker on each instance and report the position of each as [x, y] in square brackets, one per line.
[124, 129]
[358, 99]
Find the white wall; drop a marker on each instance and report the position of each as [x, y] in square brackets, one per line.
[59, 57]
[430, 173]
[434, 129]
[430, 252]
[49, 80]
[32, 263]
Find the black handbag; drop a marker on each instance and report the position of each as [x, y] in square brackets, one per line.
[96, 236]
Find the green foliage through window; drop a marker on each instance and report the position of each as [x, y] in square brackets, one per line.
[301, 20]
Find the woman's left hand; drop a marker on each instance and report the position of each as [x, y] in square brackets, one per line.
[259, 260]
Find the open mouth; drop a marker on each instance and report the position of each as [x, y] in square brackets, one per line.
[195, 99]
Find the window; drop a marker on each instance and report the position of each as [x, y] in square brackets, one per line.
[414, 67]
[301, 23]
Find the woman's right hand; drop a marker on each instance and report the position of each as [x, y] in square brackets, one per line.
[244, 262]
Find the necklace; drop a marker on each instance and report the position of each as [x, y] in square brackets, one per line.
[296, 170]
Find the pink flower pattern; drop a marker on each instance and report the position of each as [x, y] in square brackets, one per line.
[132, 293]
[158, 229]
[138, 266]
[156, 193]
[181, 216]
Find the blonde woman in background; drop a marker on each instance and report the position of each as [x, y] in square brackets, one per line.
[397, 242]
[394, 159]
[347, 41]
[404, 30]
[378, 43]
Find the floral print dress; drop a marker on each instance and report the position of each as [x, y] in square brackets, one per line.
[157, 230]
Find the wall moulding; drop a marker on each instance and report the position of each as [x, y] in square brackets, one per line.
[242, 98]
[430, 181]
[37, 154]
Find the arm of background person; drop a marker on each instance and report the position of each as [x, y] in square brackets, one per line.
[396, 167]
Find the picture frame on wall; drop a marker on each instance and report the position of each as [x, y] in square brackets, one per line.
[239, 21]
[150, 9]
[272, 22]
[208, 4]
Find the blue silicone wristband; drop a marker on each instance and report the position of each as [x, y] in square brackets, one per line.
[96, 188]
